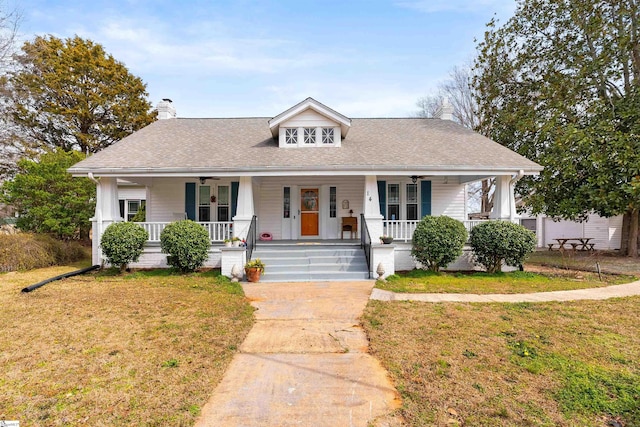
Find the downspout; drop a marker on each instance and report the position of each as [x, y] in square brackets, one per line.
[512, 195]
[97, 233]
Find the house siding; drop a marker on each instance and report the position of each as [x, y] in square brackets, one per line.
[605, 232]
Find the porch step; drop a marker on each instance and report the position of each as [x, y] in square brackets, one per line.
[307, 262]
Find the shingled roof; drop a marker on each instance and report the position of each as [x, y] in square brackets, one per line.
[246, 146]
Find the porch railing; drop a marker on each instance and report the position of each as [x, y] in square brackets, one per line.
[218, 231]
[365, 242]
[251, 237]
[402, 230]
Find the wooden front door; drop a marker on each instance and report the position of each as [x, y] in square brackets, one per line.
[309, 208]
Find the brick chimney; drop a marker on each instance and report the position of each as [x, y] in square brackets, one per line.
[166, 110]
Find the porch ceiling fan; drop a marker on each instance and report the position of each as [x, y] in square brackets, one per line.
[415, 178]
[203, 179]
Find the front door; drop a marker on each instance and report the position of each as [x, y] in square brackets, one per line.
[309, 208]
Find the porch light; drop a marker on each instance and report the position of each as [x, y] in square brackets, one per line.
[414, 178]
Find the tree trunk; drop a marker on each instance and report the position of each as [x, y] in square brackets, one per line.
[633, 233]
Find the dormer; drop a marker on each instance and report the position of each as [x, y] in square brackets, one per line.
[309, 124]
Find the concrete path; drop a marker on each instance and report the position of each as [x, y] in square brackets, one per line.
[616, 291]
[304, 363]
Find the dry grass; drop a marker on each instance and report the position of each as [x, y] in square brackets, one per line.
[535, 279]
[609, 261]
[143, 349]
[570, 364]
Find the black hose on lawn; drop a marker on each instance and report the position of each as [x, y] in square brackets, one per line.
[62, 276]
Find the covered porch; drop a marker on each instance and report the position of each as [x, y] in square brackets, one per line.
[308, 208]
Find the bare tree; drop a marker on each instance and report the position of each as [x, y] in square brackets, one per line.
[459, 91]
[9, 23]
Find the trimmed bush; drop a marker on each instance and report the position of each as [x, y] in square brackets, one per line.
[495, 242]
[186, 243]
[438, 241]
[122, 243]
[25, 251]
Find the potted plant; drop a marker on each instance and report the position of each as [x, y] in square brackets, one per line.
[227, 242]
[235, 241]
[253, 269]
[386, 239]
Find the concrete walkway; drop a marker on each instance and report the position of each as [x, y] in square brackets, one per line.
[304, 363]
[616, 291]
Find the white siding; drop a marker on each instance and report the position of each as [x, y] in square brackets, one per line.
[132, 193]
[308, 118]
[448, 199]
[166, 201]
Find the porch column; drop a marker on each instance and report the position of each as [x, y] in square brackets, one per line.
[504, 202]
[371, 207]
[107, 212]
[501, 200]
[244, 211]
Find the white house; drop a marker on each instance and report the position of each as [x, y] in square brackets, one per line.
[309, 177]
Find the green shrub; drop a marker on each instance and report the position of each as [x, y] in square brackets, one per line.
[25, 251]
[438, 241]
[141, 215]
[122, 243]
[495, 242]
[186, 243]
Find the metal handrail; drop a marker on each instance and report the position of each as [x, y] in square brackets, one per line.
[251, 237]
[365, 242]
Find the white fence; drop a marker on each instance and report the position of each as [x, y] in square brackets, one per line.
[218, 231]
[402, 230]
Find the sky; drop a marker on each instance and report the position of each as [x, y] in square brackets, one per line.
[257, 58]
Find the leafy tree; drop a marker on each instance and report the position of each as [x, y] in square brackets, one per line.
[495, 242]
[48, 199]
[558, 83]
[72, 95]
[458, 89]
[123, 242]
[438, 241]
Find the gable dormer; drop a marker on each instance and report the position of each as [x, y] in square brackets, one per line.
[309, 124]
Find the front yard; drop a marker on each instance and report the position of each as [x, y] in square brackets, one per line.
[547, 364]
[146, 348]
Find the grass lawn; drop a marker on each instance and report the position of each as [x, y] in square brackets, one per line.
[542, 364]
[145, 348]
[420, 281]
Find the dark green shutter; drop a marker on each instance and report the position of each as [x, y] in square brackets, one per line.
[190, 200]
[234, 197]
[425, 195]
[382, 197]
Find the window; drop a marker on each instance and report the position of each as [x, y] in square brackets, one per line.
[286, 203]
[291, 136]
[223, 203]
[129, 208]
[204, 204]
[393, 201]
[327, 135]
[412, 201]
[309, 135]
[332, 202]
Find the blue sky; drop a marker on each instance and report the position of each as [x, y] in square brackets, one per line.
[258, 58]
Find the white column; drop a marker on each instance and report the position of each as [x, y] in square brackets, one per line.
[107, 212]
[244, 210]
[502, 198]
[371, 207]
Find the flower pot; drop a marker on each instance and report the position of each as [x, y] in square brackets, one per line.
[253, 274]
[236, 243]
[387, 240]
[227, 244]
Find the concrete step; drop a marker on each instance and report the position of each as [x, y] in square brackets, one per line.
[306, 262]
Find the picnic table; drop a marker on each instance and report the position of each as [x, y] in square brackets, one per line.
[575, 242]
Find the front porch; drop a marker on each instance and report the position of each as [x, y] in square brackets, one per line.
[298, 211]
